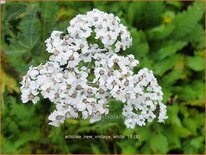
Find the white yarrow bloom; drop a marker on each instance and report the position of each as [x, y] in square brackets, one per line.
[84, 72]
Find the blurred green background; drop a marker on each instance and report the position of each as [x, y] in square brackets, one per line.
[168, 37]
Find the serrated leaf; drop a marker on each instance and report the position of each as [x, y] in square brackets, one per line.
[184, 110]
[161, 67]
[186, 21]
[173, 117]
[160, 32]
[195, 144]
[20, 111]
[7, 82]
[17, 109]
[174, 140]
[172, 77]
[177, 4]
[127, 147]
[189, 93]
[140, 47]
[145, 15]
[196, 63]
[145, 134]
[30, 32]
[9, 14]
[198, 141]
[167, 92]
[95, 149]
[170, 49]
[135, 12]
[152, 14]
[8, 146]
[181, 131]
[26, 137]
[190, 124]
[197, 37]
[159, 143]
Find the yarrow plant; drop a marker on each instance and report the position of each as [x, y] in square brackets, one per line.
[84, 72]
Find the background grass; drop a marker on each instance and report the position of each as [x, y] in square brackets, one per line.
[168, 37]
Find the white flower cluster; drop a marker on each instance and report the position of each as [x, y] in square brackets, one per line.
[84, 72]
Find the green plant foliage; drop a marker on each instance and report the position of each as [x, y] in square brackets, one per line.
[168, 37]
[159, 143]
[196, 63]
[186, 21]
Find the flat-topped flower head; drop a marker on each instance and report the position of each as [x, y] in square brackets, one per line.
[84, 72]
